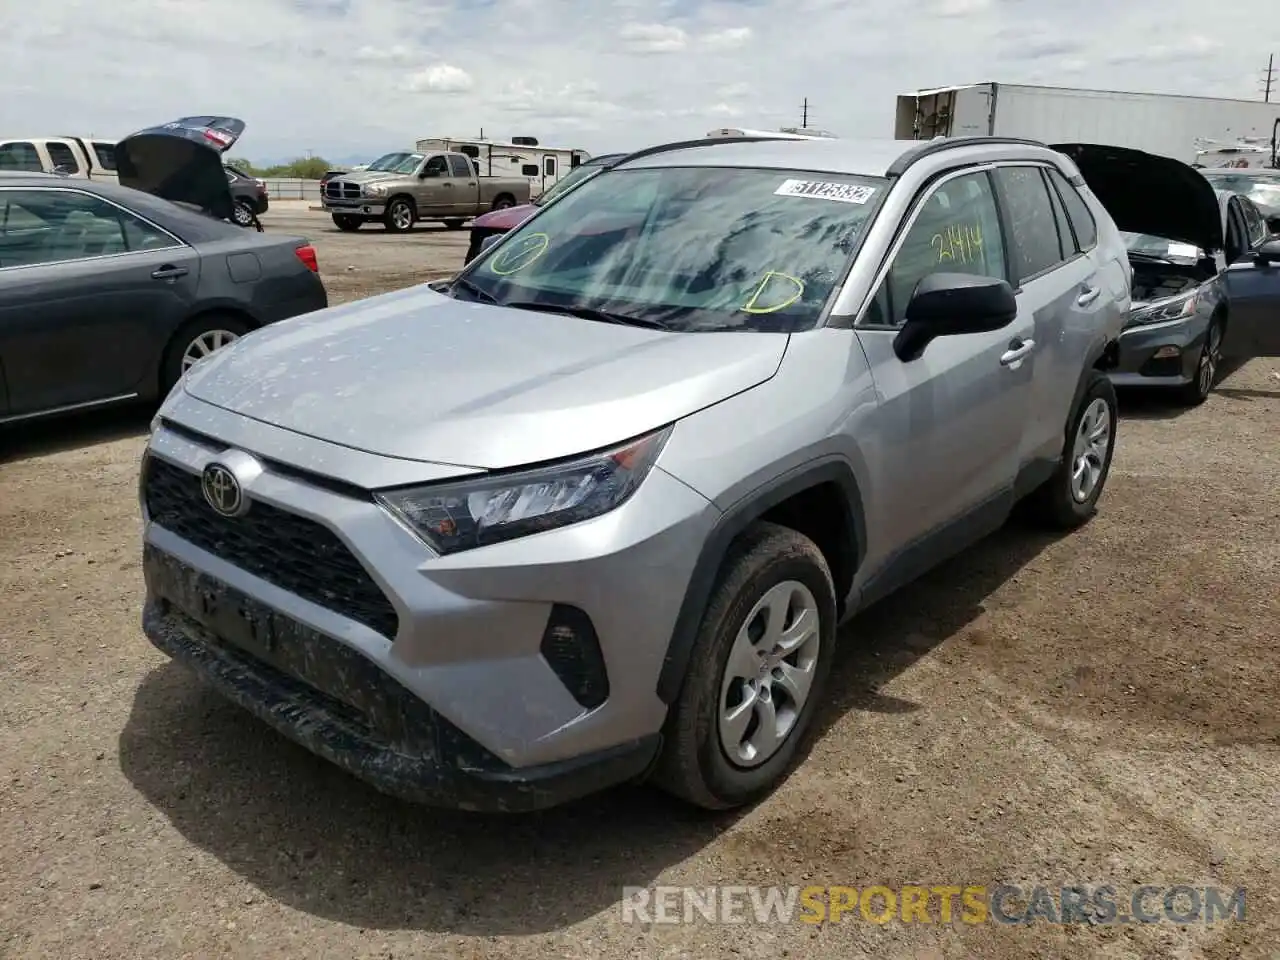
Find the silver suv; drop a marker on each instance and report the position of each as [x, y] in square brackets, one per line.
[592, 511]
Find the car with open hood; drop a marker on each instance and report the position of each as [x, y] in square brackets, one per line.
[110, 293]
[592, 510]
[497, 222]
[1205, 284]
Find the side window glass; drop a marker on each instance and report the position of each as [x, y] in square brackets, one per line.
[437, 166]
[957, 230]
[549, 166]
[62, 156]
[1254, 224]
[1065, 238]
[1028, 212]
[1077, 211]
[20, 155]
[106, 154]
[529, 170]
[459, 165]
[54, 226]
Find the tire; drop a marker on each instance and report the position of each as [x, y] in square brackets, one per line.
[454, 224]
[347, 223]
[1058, 503]
[503, 202]
[184, 342]
[1197, 391]
[400, 215]
[767, 563]
[243, 214]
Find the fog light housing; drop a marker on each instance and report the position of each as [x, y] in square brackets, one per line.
[572, 650]
[1166, 353]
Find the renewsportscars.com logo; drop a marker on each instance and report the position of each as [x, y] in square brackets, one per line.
[1102, 904]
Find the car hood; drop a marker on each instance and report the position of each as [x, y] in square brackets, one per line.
[182, 162]
[417, 375]
[1145, 193]
[371, 176]
[507, 219]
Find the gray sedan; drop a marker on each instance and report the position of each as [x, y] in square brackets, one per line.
[108, 294]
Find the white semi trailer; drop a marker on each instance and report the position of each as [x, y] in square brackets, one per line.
[1163, 124]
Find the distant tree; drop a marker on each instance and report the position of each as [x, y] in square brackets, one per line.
[245, 165]
[303, 168]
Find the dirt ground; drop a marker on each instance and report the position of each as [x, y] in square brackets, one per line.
[1094, 709]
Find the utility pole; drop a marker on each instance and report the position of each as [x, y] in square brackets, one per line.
[804, 114]
[1268, 78]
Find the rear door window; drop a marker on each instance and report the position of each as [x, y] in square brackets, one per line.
[20, 155]
[1082, 224]
[63, 157]
[1035, 246]
[459, 165]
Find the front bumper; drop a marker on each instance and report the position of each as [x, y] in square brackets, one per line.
[365, 207]
[459, 642]
[1160, 354]
[264, 203]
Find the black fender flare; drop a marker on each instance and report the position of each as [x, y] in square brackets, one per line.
[733, 522]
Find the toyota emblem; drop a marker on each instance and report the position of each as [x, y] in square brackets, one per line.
[222, 490]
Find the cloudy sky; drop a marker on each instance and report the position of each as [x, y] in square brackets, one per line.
[348, 79]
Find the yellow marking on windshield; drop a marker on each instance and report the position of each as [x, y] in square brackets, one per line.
[959, 243]
[515, 257]
[752, 304]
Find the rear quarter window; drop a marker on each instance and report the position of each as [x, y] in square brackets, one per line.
[1078, 212]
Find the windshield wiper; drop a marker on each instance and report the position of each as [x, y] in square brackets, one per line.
[471, 288]
[590, 313]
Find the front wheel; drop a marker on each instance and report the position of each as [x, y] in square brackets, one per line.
[1197, 391]
[347, 223]
[1069, 498]
[756, 673]
[400, 216]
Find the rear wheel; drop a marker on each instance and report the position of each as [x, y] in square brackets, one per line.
[400, 215]
[347, 223]
[756, 674]
[196, 340]
[1069, 498]
[1197, 391]
[504, 201]
[243, 215]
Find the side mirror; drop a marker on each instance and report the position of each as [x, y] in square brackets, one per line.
[948, 304]
[489, 241]
[1269, 253]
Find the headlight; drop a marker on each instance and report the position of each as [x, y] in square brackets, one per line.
[373, 190]
[1183, 305]
[451, 517]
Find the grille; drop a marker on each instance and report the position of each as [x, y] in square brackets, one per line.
[289, 551]
[341, 190]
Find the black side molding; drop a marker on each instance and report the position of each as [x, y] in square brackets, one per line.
[735, 520]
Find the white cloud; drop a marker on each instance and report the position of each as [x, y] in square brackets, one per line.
[654, 38]
[347, 79]
[728, 39]
[441, 78]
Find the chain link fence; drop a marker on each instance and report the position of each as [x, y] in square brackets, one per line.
[291, 188]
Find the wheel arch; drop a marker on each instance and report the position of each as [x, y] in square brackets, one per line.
[205, 310]
[821, 500]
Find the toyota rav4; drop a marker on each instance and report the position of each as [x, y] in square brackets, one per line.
[592, 511]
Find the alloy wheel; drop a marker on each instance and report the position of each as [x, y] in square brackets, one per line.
[205, 344]
[1089, 453]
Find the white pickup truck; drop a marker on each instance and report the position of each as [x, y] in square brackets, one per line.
[83, 157]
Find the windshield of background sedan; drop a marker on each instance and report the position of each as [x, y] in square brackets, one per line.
[396, 163]
[1146, 244]
[1262, 189]
[686, 248]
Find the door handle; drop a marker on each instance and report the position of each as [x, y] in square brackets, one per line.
[168, 272]
[471, 183]
[1090, 294]
[447, 183]
[1018, 349]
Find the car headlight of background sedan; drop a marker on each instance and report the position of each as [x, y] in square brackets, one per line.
[1175, 308]
[450, 517]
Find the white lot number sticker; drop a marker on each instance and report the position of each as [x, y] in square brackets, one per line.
[825, 190]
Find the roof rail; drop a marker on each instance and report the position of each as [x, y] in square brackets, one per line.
[928, 148]
[687, 144]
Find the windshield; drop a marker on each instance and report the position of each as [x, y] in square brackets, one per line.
[396, 163]
[576, 175]
[687, 248]
[1262, 189]
[1152, 246]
